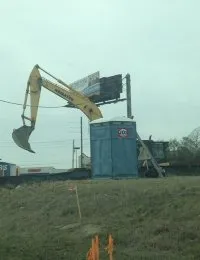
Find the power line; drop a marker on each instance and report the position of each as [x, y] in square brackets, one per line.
[42, 146]
[53, 141]
[19, 104]
[30, 165]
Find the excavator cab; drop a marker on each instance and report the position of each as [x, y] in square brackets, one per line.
[21, 137]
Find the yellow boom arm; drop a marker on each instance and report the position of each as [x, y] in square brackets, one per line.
[35, 82]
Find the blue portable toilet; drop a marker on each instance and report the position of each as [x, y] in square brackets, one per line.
[113, 148]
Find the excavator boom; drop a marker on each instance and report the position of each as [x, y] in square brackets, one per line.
[34, 85]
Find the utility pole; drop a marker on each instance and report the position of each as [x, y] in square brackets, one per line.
[128, 96]
[76, 158]
[73, 154]
[81, 142]
[76, 153]
[129, 115]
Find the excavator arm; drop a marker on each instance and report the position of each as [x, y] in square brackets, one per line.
[34, 85]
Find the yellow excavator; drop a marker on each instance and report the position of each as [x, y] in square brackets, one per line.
[34, 85]
[75, 98]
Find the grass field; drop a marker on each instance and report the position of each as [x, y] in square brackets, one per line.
[148, 219]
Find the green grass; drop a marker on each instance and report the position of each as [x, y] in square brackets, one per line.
[148, 219]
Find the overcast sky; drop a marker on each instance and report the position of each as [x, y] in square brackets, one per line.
[156, 41]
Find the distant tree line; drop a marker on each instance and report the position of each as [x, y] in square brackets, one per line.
[185, 151]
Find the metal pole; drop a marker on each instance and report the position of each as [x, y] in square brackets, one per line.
[128, 96]
[73, 155]
[81, 142]
[76, 158]
[129, 115]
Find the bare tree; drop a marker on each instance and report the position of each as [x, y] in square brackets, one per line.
[194, 136]
[187, 150]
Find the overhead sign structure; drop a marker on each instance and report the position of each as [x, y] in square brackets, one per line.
[99, 89]
[89, 86]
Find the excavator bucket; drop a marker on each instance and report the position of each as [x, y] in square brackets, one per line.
[21, 137]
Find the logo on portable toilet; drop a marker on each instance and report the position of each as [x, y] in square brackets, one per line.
[123, 132]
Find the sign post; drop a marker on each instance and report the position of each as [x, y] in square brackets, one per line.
[128, 96]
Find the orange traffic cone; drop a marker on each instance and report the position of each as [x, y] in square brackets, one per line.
[89, 255]
[109, 248]
[97, 247]
[93, 253]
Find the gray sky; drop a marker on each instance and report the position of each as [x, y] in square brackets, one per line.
[157, 42]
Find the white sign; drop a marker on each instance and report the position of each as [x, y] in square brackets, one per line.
[89, 85]
[143, 154]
